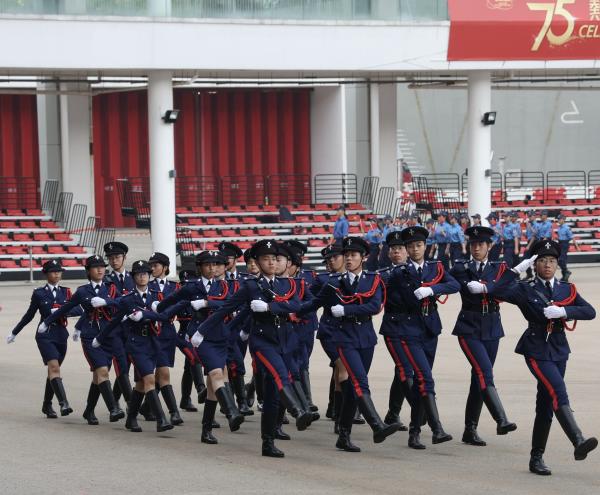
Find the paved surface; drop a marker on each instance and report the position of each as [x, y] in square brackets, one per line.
[66, 456]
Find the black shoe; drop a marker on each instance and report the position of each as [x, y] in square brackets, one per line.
[292, 404]
[227, 403]
[187, 405]
[48, 410]
[269, 449]
[202, 393]
[344, 442]
[472, 414]
[539, 438]
[115, 413]
[433, 418]
[417, 414]
[303, 400]
[208, 437]
[471, 437]
[391, 418]
[583, 446]
[171, 403]
[268, 425]
[280, 434]
[492, 402]
[215, 424]
[162, 423]
[239, 389]
[208, 416]
[414, 439]
[124, 386]
[305, 383]
[358, 419]
[536, 463]
[380, 430]
[131, 423]
[59, 392]
[146, 412]
[92, 399]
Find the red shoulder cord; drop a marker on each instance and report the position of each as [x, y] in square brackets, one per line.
[224, 292]
[484, 300]
[287, 296]
[436, 280]
[63, 320]
[293, 317]
[361, 296]
[565, 302]
[104, 312]
[236, 286]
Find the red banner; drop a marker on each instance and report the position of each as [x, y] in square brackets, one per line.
[524, 30]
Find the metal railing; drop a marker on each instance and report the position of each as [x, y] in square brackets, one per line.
[242, 190]
[286, 189]
[18, 193]
[368, 191]
[384, 204]
[50, 193]
[338, 10]
[197, 191]
[335, 188]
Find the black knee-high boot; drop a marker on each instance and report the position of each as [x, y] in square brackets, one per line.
[417, 417]
[305, 382]
[186, 389]
[289, 398]
[47, 408]
[61, 395]
[582, 445]
[239, 389]
[109, 399]
[162, 423]
[134, 404]
[227, 403]
[380, 430]
[124, 386]
[171, 403]
[433, 418]
[329, 413]
[395, 403]
[210, 407]
[492, 402]
[268, 422]
[93, 395]
[198, 377]
[345, 418]
[472, 413]
[279, 433]
[539, 439]
[304, 401]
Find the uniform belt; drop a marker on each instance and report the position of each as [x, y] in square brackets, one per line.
[394, 309]
[492, 307]
[557, 327]
[271, 319]
[357, 318]
[144, 331]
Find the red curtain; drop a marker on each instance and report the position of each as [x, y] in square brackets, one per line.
[234, 136]
[19, 151]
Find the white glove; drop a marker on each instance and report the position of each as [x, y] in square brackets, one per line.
[337, 310]
[259, 306]
[552, 312]
[97, 302]
[476, 287]
[95, 343]
[244, 336]
[197, 339]
[155, 306]
[423, 292]
[42, 328]
[10, 338]
[76, 335]
[199, 304]
[136, 316]
[53, 310]
[525, 264]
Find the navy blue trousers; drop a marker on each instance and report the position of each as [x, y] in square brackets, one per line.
[419, 354]
[551, 387]
[509, 253]
[275, 375]
[357, 363]
[481, 356]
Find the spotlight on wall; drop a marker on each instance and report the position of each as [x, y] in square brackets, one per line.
[489, 118]
[170, 116]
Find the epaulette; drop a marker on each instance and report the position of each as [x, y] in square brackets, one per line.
[433, 262]
[386, 269]
[336, 275]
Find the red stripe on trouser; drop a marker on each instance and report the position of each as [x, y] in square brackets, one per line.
[233, 369]
[353, 379]
[413, 362]
[253, 366]
[545, 382]
[473, 361]
[189, 355]
[396, 359]
[87, 358]
[116, 366]
[271, 370]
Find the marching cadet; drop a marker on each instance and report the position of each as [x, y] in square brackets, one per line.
[548, 306]
[116, 254]
[192, 368]
[418, 285]
[236, 348]
[403, 377]
[353, 299]
[309, 323]
[207, 295]
[166, 339]
[479, 330]
[512, 239]
[270, 300]
[134, 310]
[497, 238]
[565, 236]
[52, 343]
[97, 299]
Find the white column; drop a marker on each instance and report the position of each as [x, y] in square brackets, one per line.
[48, 136]
[328, 152]
[77, 172]
[162, 162]
[383, 130]
[480, 144]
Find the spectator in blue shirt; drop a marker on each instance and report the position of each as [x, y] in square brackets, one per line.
[457, 240]
[565, 236]
[341, 226]
[430, 243]
[442, 239]
[375, 238]
[496, 249]
[544, 227]
[531, 234]
[512, 239]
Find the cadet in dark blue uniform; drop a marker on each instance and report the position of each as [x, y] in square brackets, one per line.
[52, 343]
[403, 376]
[479, 330]
[236, 348]
[417, 286]
[134, 312]
[205, 296]
[270, 300]
[167, 339]
[98, 299]
[353, 299]
[116, 254]
[548, 306]
[307, 326]
[192, 369]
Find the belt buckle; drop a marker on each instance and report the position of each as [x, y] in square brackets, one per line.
[277, 320]
[145, 332]
[485, 308]
[425, 309]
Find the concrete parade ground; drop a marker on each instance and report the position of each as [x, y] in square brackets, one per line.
[66, 456]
